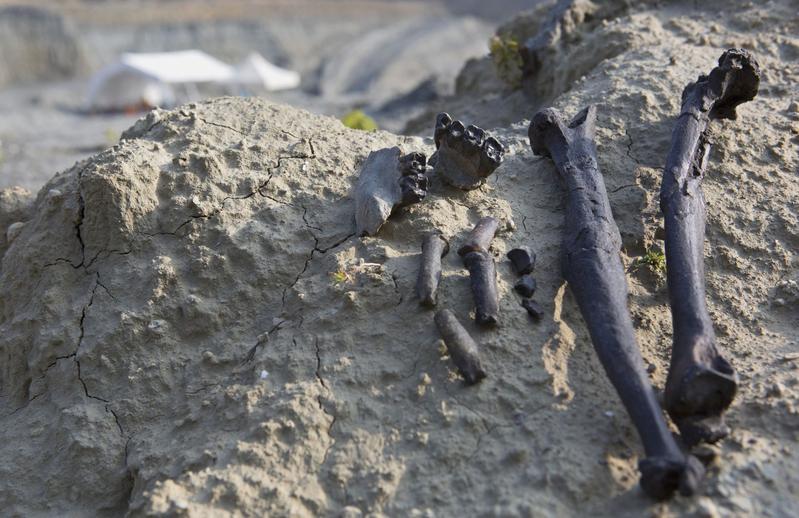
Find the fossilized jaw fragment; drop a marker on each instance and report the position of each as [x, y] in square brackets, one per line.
[462, 348]
[594, 271]
[434, 247]
[387, 181]
[701, 383]
[466, 155]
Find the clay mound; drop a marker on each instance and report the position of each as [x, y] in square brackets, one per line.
[190, 326]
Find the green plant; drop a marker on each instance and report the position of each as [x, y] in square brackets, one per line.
[339, 276]
[357, 119]
[655, 260]
[507, 60]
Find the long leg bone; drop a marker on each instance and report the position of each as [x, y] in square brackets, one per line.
[593, 269]
[466, 156]
[434, 247]
[701, 383]
[462, 348]
[387, 182]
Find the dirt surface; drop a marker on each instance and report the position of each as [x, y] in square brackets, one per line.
[191, 328]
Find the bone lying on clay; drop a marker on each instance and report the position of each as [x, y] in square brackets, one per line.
[466, 155]
[387, 182]
[522, 259]
[594, 271]
[701, 383]
[462, 348]
[479, 239]
[483, 280]
[434, 247]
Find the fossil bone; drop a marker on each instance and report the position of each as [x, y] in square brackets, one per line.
[434, 247]
[522, 259]
[525, 286]
[462, 348]
[479, 239]
[387, 181]
[466, 155]
[533, 308]
[483, 279]
[593, 269]
[701, 384]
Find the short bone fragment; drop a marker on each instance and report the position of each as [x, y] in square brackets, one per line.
[483, 279]
[701, 383]
[593, 269]
[522, 259]
[462, 348]
[387, 181]
[466, 155]
[479, 239]
[434, 247]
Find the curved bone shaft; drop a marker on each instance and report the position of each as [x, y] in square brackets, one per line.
[483, 278]
[479, 239]
[593, 269]
[701, 383]
[386, 182]
[434, 247]
[462, 348]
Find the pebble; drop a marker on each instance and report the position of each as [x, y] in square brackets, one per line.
[533, 308]
[523, 260]
[651, 368]
[526, 286]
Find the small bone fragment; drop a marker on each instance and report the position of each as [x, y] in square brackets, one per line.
[522, 259]
[483, 279]
[462, 348]
[701, 383]
[594, 271]
[525, 286]
[533, 308]
[479, 239]
[387, 181]
[434, 247]
[466, 156]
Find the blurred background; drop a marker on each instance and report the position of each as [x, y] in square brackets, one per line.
[75, 73]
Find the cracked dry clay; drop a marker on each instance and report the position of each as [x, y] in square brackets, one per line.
[178, 265]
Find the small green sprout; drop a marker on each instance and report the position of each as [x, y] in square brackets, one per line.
[655, 260]
[507, 60]
[339, 276]
[357, 119]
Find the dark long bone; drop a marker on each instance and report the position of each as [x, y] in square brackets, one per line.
[701, 384]
[434, 247]
[593, 269]
[483, 279]
[462, 348]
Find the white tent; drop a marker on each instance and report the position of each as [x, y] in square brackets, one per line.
[255, 71]
[147, 80]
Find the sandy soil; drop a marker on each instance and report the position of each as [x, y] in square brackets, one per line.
[176, 342]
